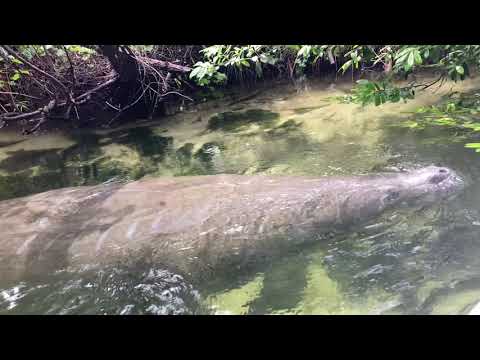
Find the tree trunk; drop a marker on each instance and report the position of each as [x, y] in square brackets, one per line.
[123, 62]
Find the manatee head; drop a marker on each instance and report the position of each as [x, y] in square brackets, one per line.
[424, 186]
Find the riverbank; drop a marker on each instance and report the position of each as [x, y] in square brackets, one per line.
[44, 87]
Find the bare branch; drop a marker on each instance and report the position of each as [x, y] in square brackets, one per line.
[48, 57]
[5, 117]
[72, 71]
[16, 93]
[12, 100]
[7, 60]
[164, 64]
[426, 86]
[42, 120]
[127, 107]
[53, 104]
[99, 87]
[177, 93]
[13, 53]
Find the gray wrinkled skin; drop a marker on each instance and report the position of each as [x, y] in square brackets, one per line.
[195, 225]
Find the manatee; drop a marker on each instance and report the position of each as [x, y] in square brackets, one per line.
[200, 225]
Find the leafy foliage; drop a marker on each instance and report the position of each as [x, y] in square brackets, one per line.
[450, 61]
[220, 58]
[206, 73]
[367, 92]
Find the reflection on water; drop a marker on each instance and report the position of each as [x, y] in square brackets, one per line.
[416, 261]
[81, 159]
[234, 120]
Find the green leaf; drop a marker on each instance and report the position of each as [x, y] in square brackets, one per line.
[220, 77]
[194, 72]
[460, 69]
[363, 82]
[320, 54]
[445, 121]
[305, 51]
[267, 59]
[294, 47]
[410, 124]
[411, 59]
[418, 58]
[473, 145]
[15, 77]
[345, 66]
[202, 72]
[474, 127]
[402, 53]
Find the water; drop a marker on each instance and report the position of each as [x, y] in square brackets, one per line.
[414, 261]
[116, 290]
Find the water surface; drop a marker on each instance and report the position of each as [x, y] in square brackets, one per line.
[415, 261]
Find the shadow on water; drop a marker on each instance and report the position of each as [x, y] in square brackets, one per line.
[25, 159]
[144, 141]
[283, 286]
[232, 121]
[33, 171]
[463, 295]
[208, 155]
[304, 110]
[290, 127]
[10, 143]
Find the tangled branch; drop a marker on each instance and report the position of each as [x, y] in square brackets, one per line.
[66, 83]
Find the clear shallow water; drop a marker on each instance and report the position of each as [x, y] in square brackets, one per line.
[415, 261]
[144, 290]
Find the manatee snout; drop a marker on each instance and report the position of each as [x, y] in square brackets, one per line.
[439, 175]
[447, 179]
[433, 175]
[434, 182]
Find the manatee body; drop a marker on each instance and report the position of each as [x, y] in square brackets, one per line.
[195, 225]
